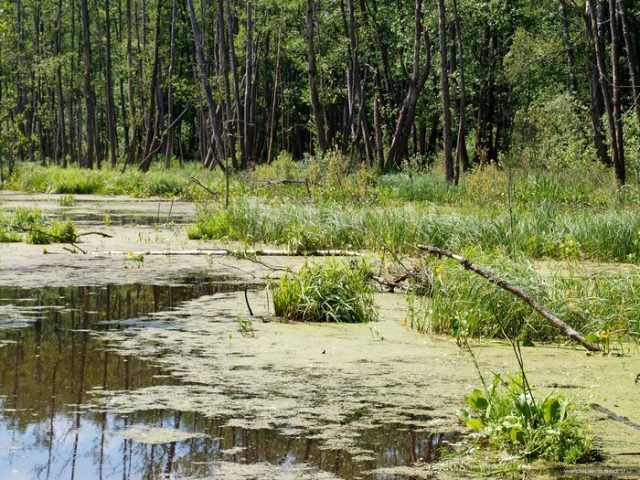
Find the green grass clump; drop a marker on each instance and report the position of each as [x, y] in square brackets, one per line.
[7, 233]
[31, 224]
[464, 304]
[510, 417]
[327, 292]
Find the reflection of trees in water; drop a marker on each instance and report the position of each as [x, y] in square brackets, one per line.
[45, 377]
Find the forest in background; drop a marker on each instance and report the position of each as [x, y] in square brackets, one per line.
[388, 83]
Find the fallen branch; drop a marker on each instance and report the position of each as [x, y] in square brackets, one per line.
[101, 234]
[55, 237]
[396, 282]
[518, 292]
[197, 182]
[614, 416]
[274, 183]
[236, 253]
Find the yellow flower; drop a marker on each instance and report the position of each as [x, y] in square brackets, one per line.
[605, 335]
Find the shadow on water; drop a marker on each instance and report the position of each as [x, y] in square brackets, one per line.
[53, 363]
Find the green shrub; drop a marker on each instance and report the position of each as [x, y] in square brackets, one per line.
[64, 231]
[25, 217]
[327, 292]
[7, 234]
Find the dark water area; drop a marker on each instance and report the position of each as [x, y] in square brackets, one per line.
[54, 365]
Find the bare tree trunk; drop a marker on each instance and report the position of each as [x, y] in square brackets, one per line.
[274, 99]
[415, 84]
[248, 86]
[570, 49]
[168, 153]
[61, 137]
[618, 164]
[239, 117]
[316, 108]
[218, 149]
[88, 88]
[596, 100]
[111, 112]
[631, 58]
[462, 155]
[223, 53]
[444, 86]
[133, 128]
[360, 123]
[604, 80]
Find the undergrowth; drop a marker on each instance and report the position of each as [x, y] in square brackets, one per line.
[333, 178]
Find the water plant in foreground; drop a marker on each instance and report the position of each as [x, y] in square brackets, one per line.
[327, 292]
[508, 414]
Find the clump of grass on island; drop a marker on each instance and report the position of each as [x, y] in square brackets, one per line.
[31, 225]
[606, 308]
[510, 416]
[326, 292]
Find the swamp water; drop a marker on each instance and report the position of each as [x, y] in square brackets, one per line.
[94, 384]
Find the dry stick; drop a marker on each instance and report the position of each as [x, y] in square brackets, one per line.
[518, 292]
[201, 185]
[224, 253]
[170, 212]
[102, 234]
[246, 299]
[55, 237]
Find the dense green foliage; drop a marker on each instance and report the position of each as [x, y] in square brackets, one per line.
[329, 292]
[122, 82]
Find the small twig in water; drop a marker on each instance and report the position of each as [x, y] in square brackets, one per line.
[170, 211]
[246, 299]
[101, 234]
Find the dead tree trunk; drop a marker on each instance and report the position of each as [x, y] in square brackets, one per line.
[462, 155]
[415, 84]
[316, 108]
[444, 86]
[558, 324]
[217, 148]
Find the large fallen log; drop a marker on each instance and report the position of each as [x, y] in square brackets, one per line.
[517, 291]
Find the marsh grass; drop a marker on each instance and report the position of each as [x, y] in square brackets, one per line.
[611, 235]
[327, 292]
[463, 304]
[334, 178]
